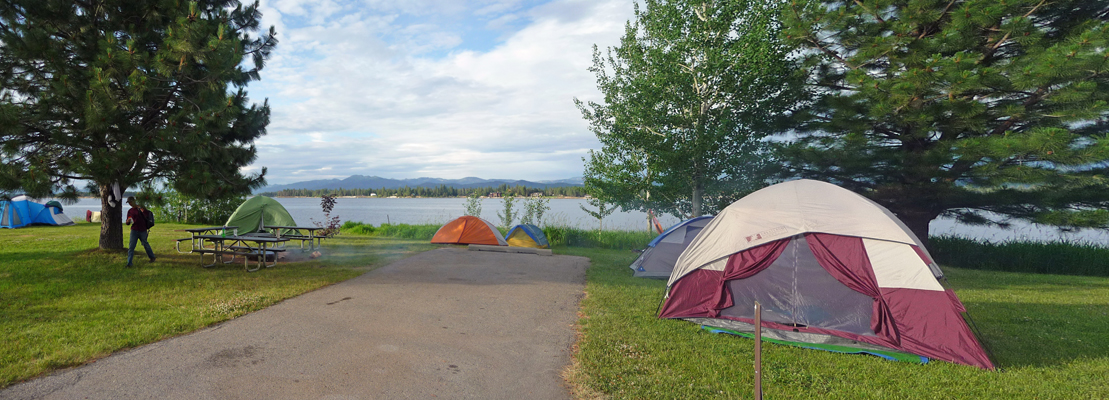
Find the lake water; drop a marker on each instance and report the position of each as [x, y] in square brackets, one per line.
[567, 212]
[377, 211]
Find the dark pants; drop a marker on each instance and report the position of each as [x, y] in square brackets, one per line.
[136, 236]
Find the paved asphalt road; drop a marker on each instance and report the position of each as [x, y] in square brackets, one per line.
[447, 323]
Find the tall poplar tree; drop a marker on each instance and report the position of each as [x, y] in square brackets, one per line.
[122, 92]
[985, 110]
[688, 94]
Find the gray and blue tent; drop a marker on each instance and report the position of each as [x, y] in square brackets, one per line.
[658, 260]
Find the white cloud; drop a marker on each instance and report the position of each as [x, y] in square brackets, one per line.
[387, 88]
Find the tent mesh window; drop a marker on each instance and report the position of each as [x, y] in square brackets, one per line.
[796, 291]
[15, 220]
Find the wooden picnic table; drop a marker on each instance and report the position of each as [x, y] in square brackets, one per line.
[299, 233]
[194, 233]
[240, 246]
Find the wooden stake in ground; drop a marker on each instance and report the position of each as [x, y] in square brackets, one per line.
[758, 351]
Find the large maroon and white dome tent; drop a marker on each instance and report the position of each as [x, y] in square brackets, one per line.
[831, 269]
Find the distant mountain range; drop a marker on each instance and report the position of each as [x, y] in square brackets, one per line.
[377, 182]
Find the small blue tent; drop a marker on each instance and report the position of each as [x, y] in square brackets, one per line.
[657, 261]
[21, 211]
[527, 235]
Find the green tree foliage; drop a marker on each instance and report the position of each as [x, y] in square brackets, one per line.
[688, 95]
[534, 208]
[508, 212]
[129, 91]
[969, 108]
[169, 205]
[603, 209]
[473, 205]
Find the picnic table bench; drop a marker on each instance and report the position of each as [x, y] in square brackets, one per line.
[197, 243]
[240, 246]
[301, 233]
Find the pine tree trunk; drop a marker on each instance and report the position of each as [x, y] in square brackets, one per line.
[917, 223]
[698, 197]
[111, 221]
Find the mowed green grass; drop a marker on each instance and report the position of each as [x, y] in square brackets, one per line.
[1048, 334]
[64, 303]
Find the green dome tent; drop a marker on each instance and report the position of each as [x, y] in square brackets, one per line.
[258, 211]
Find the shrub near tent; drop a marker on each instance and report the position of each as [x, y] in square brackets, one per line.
[527, 235]
[469, 230]
[832, 269]
[657, 260]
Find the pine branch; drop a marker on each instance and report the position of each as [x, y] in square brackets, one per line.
[934, 26]
[988, 54]
[1040, 94]
[872, 12]
[820, 46]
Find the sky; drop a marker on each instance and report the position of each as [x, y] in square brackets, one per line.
[431, 88]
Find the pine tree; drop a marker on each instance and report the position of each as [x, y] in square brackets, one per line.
[980, 109]
[122, 92]
[688, 93]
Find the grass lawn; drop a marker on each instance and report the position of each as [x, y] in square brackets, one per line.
[63, 303]
[1047, 334]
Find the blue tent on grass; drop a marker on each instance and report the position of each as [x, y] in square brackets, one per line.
[20, 211]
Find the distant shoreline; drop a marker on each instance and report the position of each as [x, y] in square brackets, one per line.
[392, 197]
[419, 197]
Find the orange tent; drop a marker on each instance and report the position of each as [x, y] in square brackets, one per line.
[469, 230]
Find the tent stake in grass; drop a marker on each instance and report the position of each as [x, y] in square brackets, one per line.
[758, 351]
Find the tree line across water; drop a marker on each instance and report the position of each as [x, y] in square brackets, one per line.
[437, 191]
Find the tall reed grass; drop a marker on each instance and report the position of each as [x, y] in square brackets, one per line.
[598, 239]
[403, 231]
[556, 235]
[1060, 258]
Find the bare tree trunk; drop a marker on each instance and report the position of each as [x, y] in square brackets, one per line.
[111, 220]
[698, 197]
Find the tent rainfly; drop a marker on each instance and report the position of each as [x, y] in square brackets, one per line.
[527, 235]
[258, 211]
[657, 261]
[832, 270]
[469, 230]
[20, 211]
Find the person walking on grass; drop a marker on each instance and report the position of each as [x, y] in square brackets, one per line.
[139, 230]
